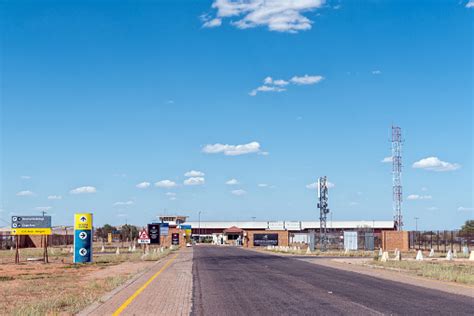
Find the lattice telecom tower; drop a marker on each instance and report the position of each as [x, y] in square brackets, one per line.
[323, 211]
[397, 175]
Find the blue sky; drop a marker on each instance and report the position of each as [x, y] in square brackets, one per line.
[101, 96]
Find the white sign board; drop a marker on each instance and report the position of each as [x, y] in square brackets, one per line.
[295, 226]
[143, 241]
[279, 225]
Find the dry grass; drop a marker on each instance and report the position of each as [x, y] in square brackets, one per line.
[444, 271]
[69, 302]
[35, 288]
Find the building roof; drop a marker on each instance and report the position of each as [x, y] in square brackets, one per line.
[232, 230]
[302, 224]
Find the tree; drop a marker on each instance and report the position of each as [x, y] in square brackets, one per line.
[103, 232]
[468, 227]
[128, 231]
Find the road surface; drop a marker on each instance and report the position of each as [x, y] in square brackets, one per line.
[234, 281]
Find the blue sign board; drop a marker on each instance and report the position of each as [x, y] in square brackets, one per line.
[82, 246]
[164, 229]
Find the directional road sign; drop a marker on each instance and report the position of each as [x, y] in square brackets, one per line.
[82, 238]
[31, 225]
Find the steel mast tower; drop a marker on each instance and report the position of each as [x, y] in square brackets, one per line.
[323, 211]
[397, 176]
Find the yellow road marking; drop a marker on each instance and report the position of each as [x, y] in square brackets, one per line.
[144, 286]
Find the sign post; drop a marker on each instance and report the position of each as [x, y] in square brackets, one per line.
[82, 238]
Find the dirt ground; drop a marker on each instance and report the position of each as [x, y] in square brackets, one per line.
[61, 287]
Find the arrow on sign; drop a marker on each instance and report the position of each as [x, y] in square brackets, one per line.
[83, 235]
[83, 251]
[83, 219]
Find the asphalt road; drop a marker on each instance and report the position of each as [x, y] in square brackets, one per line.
[234, 281]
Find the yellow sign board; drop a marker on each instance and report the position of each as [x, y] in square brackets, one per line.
[109, 238]
[83, 221]
[31, 231]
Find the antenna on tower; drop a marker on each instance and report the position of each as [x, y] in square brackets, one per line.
[397, 176]
[323, 211]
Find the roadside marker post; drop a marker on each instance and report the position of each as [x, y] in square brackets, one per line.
[82, 238]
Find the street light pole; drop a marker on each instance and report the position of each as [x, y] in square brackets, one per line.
[199, 228]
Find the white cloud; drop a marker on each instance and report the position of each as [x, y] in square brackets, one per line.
[262, 185]
[83, 190]
[232, 182]
[232, 150]
[266, 89]
[419, 197]
[277, 15]
[213, 23]
[424, 189]
[123, 203]
[376, 72]
[465, 209]
[305, 80]
[25, 193]
[165, 184]
[143, 185]
[435, 164]
[43, 208]
[170, 194]
[194, 173]
[387, 159]
[470, 4]
[432, 208]
[271, 85]
[54, 197]
[314, 185]
[239, 192]
[25, 177]
[194, 181]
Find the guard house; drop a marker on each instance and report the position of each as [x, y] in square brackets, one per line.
[233, 234]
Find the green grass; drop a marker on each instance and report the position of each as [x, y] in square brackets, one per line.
[453, 272]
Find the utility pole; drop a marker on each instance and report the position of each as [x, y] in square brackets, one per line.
[323, 211]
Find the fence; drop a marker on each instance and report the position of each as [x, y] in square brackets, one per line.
[441, 240]
[364, 239]
[7, 240]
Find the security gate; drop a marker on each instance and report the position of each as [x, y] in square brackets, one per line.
[350, 240]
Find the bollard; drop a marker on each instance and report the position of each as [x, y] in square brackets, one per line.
[419, 256]
[471, 256]
[384, 256]
[134, 248]
[102, 249]
[117, 252]
[380, 252]
[308, 251]
[129, 248]
[432, 253]
[449, 255]
[465, 250]
[398, 256]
